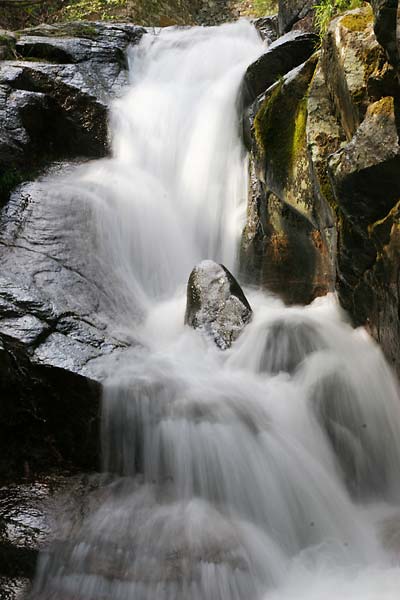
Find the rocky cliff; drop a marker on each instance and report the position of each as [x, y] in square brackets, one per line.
[325, 178]
[56, 84]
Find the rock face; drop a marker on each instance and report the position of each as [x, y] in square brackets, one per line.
[216, 303]
[53, 313]
[267, 28]
[34, 517]
[292, 12]
[386, 26]
[64, 75]
[282, 56]
[286, 243]
[324, 146]
[365, 178]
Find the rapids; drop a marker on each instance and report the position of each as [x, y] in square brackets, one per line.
[267, 471]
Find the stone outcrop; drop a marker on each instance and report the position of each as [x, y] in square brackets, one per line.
[297, 13]
[65, 75]
[216, 304]
[325, 147]
[267, 28]
[55, 89]
[365, 178]
[288, 52]
[286, 243]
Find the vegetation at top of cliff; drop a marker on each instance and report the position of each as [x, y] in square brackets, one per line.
[328, 9]
[19, 14]
[261, 8]
[103, 9]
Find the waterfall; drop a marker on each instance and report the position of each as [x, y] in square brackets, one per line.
[269, 470]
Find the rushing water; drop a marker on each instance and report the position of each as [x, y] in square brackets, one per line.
[268, 471]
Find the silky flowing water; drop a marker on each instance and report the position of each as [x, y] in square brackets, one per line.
[267, 471]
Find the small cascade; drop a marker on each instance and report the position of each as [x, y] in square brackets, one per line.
[268, 470]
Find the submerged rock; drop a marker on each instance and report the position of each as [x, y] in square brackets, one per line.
[216, 303]
[34, 514]
[288, 344]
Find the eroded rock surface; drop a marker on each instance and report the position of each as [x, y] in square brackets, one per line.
[325, 145]
[56, 84]
[33, 516]
[65, 75]
[216, 303]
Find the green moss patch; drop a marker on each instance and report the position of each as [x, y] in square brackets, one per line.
[280, 124]
[357, 21]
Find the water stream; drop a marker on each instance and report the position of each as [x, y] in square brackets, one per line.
[267, 471]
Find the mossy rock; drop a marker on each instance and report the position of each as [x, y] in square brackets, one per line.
[385, 27]
[357, 21]
[354, 67]
[7, 45]
[280, 139]
[286, 254]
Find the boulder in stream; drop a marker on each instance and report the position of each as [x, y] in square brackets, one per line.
[216, 303]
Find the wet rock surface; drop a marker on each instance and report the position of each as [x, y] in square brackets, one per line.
[33, 516]
[216, 304]
[53, 328]
[66, 75]
[56, 85]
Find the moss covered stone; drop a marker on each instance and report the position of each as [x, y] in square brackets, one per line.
[280, 137]
[354, 66]
[357, 21]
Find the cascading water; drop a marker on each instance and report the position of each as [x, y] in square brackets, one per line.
[270, 470]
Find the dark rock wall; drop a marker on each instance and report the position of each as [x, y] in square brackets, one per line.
[64, 75]
[341, 178]
[56, 83]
